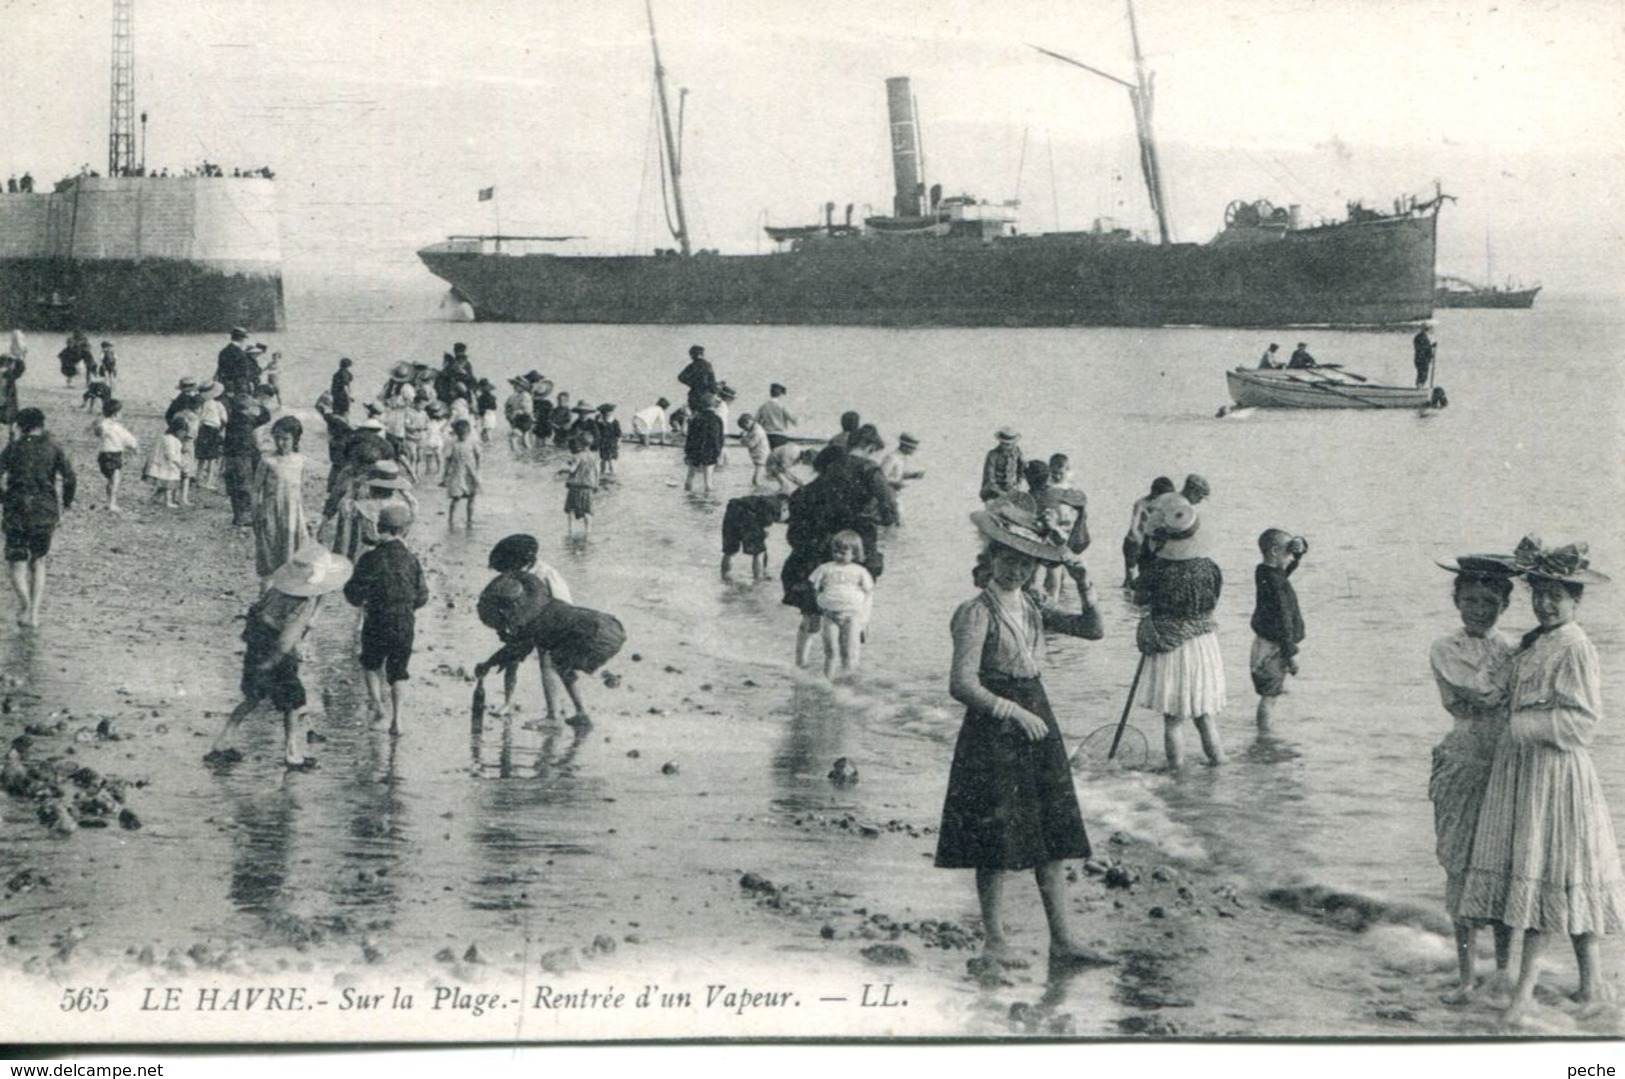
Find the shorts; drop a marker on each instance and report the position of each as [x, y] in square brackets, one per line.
[521, 422]
[110, 463]
[280, 685]
[24, 544]
[775, 440]
[740, 533]
[386, 642]
[1268, 667]
[210, 443]
[578, 503]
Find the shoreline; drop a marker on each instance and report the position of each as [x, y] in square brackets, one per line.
[815, 892]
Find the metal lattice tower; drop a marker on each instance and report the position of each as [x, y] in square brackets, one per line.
[121, 122]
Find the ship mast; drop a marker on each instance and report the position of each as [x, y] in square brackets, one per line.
[121, 121]
[680, 233]
[1140, 94]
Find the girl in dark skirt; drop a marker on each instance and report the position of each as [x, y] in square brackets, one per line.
[1010, 802]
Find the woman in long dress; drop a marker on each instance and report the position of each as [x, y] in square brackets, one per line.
[278, 499]
[1471, 667]
[1010, 803]
[1544, 855]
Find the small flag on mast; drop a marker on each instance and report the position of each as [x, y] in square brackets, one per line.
[487, 194]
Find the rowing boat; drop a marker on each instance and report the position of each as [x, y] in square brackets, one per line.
[1323, 387]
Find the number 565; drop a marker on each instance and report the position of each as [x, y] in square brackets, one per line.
[84, 1000]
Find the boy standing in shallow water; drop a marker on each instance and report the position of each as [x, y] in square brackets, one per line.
[388, 586]
[1276, 619]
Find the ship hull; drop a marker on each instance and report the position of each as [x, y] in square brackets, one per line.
[1510, 299]
[148, 255]
[1356, 273]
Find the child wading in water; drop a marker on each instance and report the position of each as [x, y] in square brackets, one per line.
[744, 528]
[1471, 667]
[1011, 804]
[461, 478]
[277, 622]
[388, 586]
[582, 481]
[116, 439]
[845, 590]
[514, 558]
[578, 640]
[1276, 619]
[1545, 859]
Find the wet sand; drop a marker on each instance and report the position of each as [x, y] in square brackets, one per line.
[654, 850]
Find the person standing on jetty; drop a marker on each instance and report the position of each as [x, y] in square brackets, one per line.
[39, 485]
[1011, 804]
[1545, 859]
[1183, 670]
[774, 418]
[1470, 667]
[276, 624]
[388, 586]
[1002, 468]
[699, 376]
[1277, 623]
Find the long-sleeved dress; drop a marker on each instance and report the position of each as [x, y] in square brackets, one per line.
[1544, 855]
[1010, 802]
[279, 510]
[461, 477]
[1472, 676]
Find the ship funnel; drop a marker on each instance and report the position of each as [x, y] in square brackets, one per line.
[905, 148]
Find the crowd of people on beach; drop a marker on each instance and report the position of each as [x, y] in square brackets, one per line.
[1524, 833]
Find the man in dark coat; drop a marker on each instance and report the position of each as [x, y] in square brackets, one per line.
[1423, 347]
[30, 469]
[233, 368]
[699, 376]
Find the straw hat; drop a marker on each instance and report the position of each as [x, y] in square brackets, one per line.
[189, 384]
[387, 474]
[1007, 434]
[1480, 565]
[906, 441]
[506, 602]
[582, 406]
[1013, 522]
[312, 571]
[1181, 524]
[401, 372]
[210, 390]
[371, 423]
[1567, 563]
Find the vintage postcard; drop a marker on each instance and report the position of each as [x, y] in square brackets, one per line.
[697, 520]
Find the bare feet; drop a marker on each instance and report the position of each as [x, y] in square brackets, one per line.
[1461, 994]
[1076, 956]
[580, 720]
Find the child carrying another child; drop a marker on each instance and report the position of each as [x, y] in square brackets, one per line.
[581, 482]
[754, 441]
[388, 586]
[1276, 620]
[844, 590]
[115, 440]
[277, 622]
[744, 527]
[575, 639]
[461, 478]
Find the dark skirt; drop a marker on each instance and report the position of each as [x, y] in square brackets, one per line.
[578, 502]
[1010, 801]
[210, 443]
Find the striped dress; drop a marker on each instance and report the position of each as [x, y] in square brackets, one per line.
[1544, 855]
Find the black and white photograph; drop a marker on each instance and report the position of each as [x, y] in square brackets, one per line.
[1082, 522]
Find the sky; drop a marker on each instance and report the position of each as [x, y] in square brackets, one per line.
[383, 118]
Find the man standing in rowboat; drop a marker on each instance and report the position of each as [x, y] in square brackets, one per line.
[1423, 346]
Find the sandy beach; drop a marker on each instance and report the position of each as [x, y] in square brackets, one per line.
[667, 872]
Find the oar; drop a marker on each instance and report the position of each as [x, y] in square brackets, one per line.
[1346, 373]
[1323, 386]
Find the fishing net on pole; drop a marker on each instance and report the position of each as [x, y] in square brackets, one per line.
[1094, 753]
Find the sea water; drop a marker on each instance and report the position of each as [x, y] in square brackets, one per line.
[1335, 795]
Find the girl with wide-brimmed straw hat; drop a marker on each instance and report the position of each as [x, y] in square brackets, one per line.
[1010, 803]
[276, 624]
[1184, 672]
[1544, 858]
[1471, 667]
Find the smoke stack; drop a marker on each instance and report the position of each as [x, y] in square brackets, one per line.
[905, 148]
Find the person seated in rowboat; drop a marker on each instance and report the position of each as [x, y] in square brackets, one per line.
[1268, 362]
[1300, 358]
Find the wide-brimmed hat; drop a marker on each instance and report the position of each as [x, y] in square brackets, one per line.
[606, 408]
[371, 423]
[1480, 565]
[513, 552]
[1007, 434]
[726, 392]
[256, 349]
[186, 384]
[582, 406]
[532, 375]
[1012, 522]
[1180, 524]
[238, 333]
[211, 390]
[312, 571]
[387, 474]
[397, 516]
[519, 384]
[1194, 482]
[400, 372]
[506, 603]
[1569, 563]
[906, 441]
